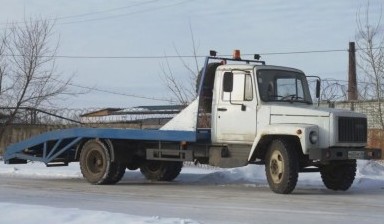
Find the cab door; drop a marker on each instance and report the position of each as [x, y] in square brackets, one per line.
[235, 111]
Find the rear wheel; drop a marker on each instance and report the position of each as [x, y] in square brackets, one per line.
[95, 162]
[339, 175]
[135, 164]
[161, 170]
[281, 166]
[96, 165]
[117, 172]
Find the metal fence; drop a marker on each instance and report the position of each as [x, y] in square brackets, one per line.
[80, 117]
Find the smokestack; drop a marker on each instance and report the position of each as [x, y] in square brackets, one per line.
[352, 83]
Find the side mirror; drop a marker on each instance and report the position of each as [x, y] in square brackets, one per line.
[228, 82]
[318, 88]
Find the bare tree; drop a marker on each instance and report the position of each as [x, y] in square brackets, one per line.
[28, 74]
[3, 66]
[183, 92]
[370, 42]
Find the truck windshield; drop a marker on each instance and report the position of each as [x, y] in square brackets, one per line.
[281, 85]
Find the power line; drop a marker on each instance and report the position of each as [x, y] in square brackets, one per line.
[105, 57]
[187, 56]
[104, 11]
[126, 14]
[305, 52]
[117, 93]
[87, 14]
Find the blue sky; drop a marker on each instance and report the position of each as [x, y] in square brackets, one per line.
[156, 28]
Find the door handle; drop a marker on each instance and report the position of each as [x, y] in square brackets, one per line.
[222, 109]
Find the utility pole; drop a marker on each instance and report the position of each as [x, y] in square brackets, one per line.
[352, 83]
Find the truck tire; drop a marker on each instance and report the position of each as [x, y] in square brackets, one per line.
[339, 176]
[161, 170]
[117, 172]
[96, 165]
[281, 166]
[135, 164]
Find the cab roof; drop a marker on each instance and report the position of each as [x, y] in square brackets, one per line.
[252, 66]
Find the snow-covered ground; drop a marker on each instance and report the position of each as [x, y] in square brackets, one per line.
[370, 175]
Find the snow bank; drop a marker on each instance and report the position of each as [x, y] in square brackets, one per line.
[18, 213]
[248, 175]
[370, 174]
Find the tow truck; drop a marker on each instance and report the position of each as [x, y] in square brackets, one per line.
[246, 112]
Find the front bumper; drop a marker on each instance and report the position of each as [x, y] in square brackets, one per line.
[330, 154]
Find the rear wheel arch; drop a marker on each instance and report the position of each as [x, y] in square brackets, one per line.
[80, 147]
[107, 142]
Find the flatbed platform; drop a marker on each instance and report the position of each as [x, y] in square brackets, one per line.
[48, 146]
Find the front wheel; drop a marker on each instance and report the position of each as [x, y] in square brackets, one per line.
[281, 166]
[339, 175]
[161, 170]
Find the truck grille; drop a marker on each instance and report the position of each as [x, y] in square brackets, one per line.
[352, 129]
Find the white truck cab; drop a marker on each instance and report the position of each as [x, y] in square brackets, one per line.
[264, 114]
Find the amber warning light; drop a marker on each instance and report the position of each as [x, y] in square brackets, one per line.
[236, 55]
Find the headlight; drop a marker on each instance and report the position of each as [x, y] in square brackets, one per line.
[313, 137]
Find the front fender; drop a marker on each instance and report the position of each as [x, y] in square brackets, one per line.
[299, 130]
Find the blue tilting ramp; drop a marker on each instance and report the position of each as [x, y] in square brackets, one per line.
[47, 147]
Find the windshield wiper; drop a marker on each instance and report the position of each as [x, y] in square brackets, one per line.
[295, 98]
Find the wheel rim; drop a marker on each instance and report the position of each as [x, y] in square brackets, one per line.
[276, 166]
[95, 162]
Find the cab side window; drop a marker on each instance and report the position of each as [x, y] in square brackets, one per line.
[242, 88]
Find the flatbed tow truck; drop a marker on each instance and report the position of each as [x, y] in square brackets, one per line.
[258, 114]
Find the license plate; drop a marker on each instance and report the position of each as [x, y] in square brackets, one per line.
[356, 155]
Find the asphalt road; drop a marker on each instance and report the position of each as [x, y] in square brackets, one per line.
[207, 203]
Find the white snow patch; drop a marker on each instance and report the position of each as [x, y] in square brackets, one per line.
[18, 213]
[185, 120]
[37, 169]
